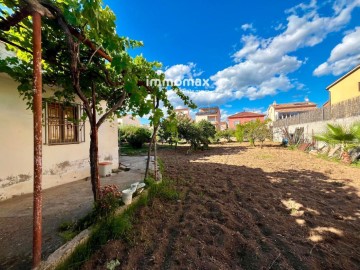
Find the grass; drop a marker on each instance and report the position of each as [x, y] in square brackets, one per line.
[126, 149]
[119, 226]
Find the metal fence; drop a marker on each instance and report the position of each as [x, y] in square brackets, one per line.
[348, 108]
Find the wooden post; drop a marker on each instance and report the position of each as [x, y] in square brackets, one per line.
[37, 112]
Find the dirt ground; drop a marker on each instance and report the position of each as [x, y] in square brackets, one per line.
[63, 203]
[247, 208]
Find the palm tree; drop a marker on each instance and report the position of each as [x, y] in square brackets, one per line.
[346, 137]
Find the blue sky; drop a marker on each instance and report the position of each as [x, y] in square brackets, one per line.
[253, 52]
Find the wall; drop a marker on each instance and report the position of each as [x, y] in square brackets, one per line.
[61, 163]
[242, 120]
[271, 113]
[129, 120]
[314, 128]
[346, 89]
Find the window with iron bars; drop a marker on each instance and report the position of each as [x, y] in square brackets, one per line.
[63, 123]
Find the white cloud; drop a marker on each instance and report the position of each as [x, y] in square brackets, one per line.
[224, 115]
[343, 56]
[255, 110]
[248, 27]
[262, 66]
[179, 72]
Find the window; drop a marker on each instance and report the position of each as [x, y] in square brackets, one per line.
[211, 118]
[63, 124]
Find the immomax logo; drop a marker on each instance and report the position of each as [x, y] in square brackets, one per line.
[179, 83]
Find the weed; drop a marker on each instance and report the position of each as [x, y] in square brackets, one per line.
[112, 264]
[67, 235]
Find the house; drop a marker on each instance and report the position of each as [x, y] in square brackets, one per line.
[129, 120]
[346, 87]
[244, 117]
[183, 112]
[326, 104]
[211, 114]
[281, 111]
[66, 142]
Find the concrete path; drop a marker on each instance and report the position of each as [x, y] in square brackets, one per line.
[64, 203]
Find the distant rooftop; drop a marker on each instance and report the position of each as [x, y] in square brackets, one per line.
[207, 111]
[296, 106]
[246, 114]
[182, 109]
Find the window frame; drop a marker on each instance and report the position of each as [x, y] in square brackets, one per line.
[78, 124]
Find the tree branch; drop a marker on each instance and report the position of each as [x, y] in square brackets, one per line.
[113, 109]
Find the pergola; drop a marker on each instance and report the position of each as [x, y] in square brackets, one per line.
[37, 9]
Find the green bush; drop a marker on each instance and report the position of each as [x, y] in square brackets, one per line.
[225, 134]
[239, 133]
[135, 136]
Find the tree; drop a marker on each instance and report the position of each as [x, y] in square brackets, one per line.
[253, 131]
[207, 131]
[85, 57]
[168, 130]
[239, 133]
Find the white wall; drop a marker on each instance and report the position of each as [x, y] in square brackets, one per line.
[61, 163]
[314, 128]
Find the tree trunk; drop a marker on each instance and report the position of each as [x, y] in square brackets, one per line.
[153, 138]
[94, 163]
[155, 157]
[148, 159]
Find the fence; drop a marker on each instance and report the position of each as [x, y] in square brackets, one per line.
[348, 108]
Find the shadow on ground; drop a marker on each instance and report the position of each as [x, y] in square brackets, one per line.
[65, 203]
[233, 216]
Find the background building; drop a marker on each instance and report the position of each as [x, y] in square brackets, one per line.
[347, 87]
[281, 111]
[129, 120]
[244, 117]
[210, 114]
[183, 112]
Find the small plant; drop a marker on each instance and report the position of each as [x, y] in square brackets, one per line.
[109, 200]
[347, 138]
[112, 264]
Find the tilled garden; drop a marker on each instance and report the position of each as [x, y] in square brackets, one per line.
[244, 207]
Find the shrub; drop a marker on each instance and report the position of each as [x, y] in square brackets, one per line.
[135, 136]
[109, 200]
[225, 134]
[239, 133]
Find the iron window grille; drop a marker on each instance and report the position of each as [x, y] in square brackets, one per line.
[63, 123]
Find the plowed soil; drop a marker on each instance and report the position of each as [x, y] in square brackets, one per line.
[246, 208]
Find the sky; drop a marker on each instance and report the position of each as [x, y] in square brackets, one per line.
[251, 53]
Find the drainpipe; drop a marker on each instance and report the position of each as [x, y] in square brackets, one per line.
[37, 113]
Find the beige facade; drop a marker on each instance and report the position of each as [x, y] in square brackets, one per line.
[281, 111]
[183, 112]
[61, 163]
[209, 114]
[129, 120]
[347, 87]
